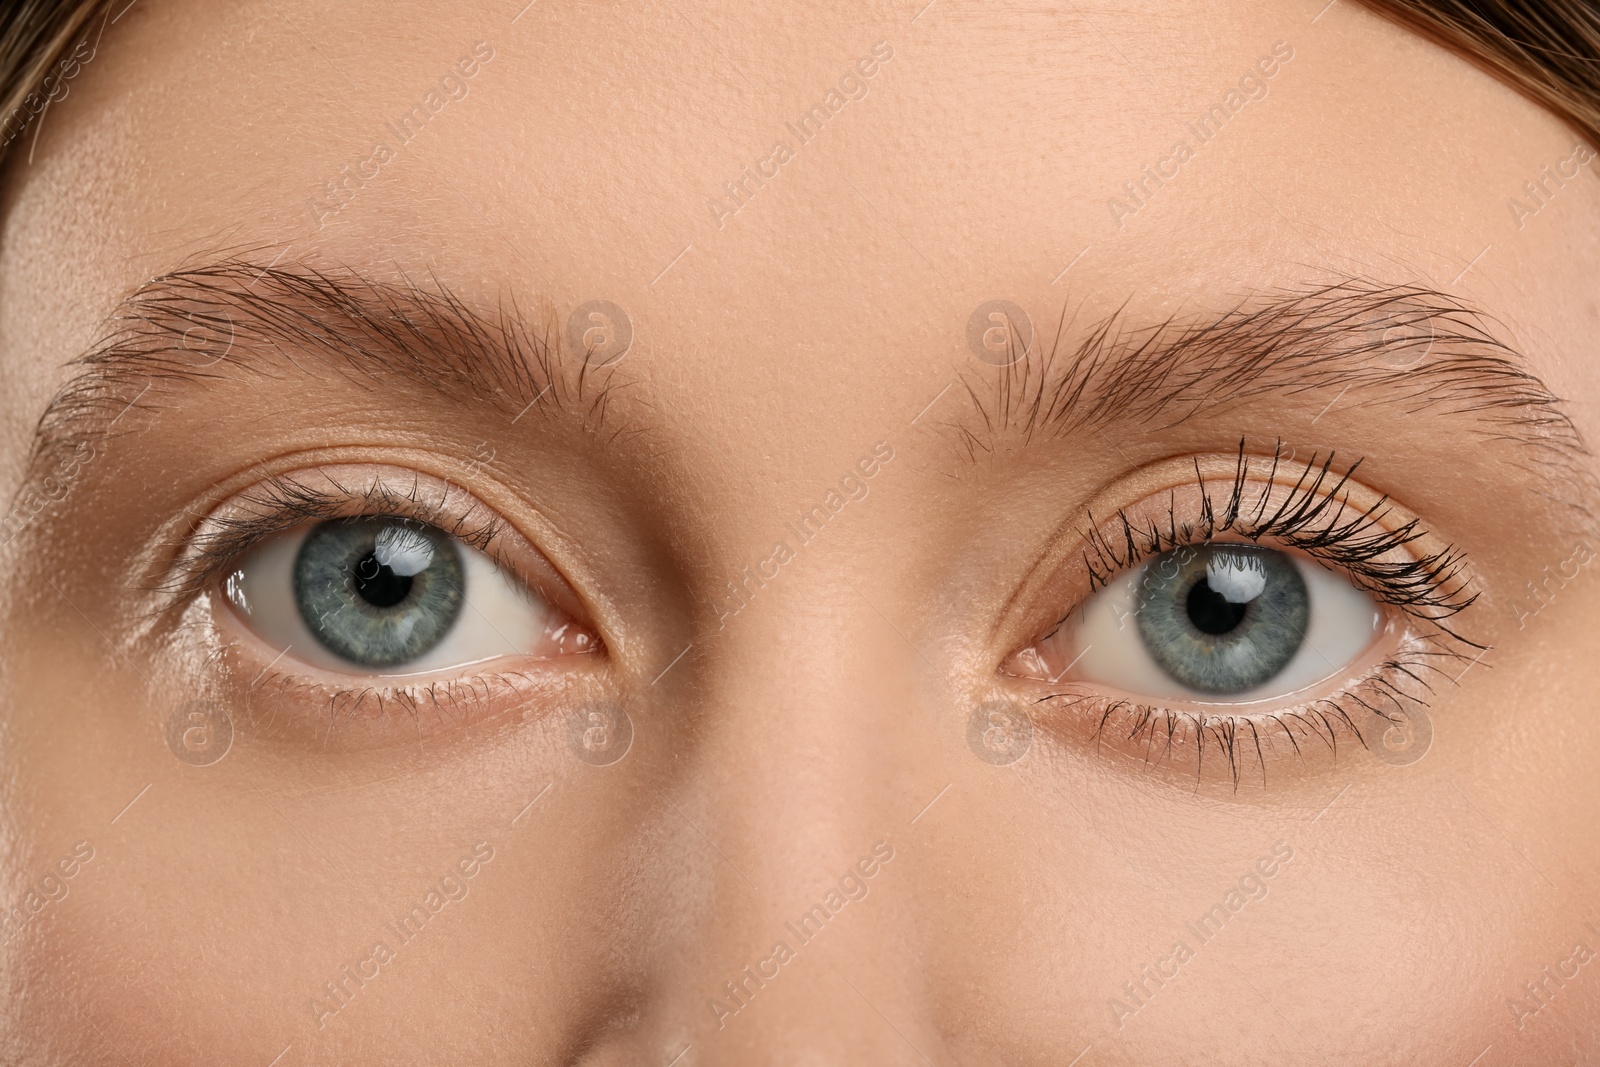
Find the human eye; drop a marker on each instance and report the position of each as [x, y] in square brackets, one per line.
[1224, 621]
[343, 594]
[1274, 612]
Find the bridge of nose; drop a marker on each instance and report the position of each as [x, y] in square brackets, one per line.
[809, 758]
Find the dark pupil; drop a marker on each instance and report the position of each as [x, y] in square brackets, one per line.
[1210, 612]
[378, 585]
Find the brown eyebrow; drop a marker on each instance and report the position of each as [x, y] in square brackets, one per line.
[1396, 346]
[230, 317]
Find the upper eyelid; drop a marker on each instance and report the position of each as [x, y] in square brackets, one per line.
[1433, 587]
[290, 503]
[1349, 543]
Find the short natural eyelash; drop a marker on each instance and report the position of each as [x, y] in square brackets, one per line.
[283, 502]
[439, 697]
[1432, 588]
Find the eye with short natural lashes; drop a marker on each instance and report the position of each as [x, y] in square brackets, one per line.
[366, 589]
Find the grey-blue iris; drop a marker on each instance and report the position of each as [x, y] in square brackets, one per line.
[378, 592]
[1222, 619]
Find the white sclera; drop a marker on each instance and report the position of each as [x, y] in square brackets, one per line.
[1104, 639]
[500, 616]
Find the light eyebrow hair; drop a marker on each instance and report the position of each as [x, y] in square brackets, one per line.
[231, 317]
[1405, 348]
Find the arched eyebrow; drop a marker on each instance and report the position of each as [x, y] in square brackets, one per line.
[1400, 349]
[230, 318]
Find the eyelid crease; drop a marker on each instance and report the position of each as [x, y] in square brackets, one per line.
[1432, 588]
[283, 502]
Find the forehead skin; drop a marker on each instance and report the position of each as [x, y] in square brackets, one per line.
[772, 351]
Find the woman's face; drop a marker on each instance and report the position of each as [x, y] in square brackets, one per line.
[709, 533]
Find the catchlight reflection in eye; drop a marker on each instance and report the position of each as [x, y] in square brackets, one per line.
[389, 596]
[1217, 623]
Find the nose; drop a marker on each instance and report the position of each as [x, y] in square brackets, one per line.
[797, 941]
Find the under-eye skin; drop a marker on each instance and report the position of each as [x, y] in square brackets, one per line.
[1250, 618]
[362, 592]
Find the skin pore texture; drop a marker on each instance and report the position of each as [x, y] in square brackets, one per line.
[442, 871]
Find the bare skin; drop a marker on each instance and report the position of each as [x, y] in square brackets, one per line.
[800, 341]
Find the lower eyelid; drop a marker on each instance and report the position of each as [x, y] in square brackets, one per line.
[282, 701]
[305, 709]
[1237, 744]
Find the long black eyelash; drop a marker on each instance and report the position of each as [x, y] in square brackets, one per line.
[1381, 696]
[282, 502]
[1319, 522]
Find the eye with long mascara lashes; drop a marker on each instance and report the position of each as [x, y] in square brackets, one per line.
[1253, 614]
